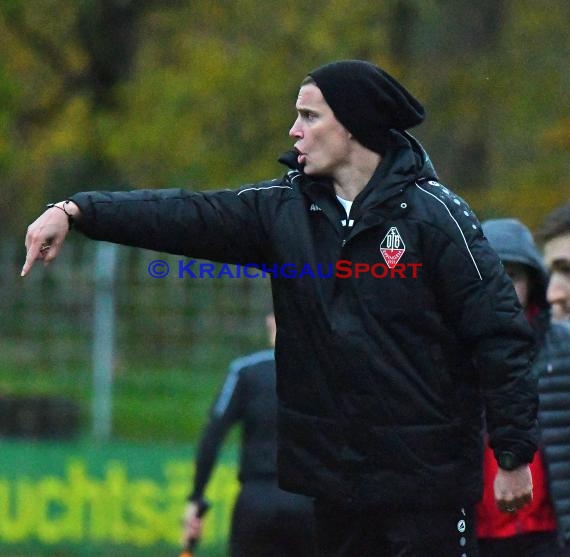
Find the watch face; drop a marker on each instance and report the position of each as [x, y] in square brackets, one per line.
[508, 461]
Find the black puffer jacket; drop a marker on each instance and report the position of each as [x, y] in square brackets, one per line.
[513, 243]
[553, 365]
[380, 381]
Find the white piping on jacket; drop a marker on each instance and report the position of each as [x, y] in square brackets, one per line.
[266, 188]
[235, 367]
[458, 227]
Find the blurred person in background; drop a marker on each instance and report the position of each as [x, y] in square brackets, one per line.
[542, 529]
[554, 238]
[266, 521]
[381, 379]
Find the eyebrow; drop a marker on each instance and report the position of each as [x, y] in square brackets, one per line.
[561, 263]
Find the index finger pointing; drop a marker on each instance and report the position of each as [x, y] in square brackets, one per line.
[31, 256]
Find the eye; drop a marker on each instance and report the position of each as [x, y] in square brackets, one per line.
[565, 270]
[308, 115]
[562, 267]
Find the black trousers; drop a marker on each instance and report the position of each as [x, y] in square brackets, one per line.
[269, 522]
[536, 544]
[378, 532]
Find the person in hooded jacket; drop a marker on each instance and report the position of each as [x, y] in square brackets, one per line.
[541, 529]
[553, 236]
[396, 323]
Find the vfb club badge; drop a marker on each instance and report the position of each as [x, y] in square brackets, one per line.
[392, 247]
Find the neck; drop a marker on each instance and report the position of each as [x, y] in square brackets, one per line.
[352, 179]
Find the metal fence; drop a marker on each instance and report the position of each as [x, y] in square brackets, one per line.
[47, 317]
[56, 323]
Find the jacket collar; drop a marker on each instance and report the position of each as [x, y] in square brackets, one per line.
[400, 167]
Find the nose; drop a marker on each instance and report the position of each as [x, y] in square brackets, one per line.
[295, 130]
[558, 291]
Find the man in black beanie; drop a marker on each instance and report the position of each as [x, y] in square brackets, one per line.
[397, 327]
[367, 101]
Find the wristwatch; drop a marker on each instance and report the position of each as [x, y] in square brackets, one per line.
[508, 460]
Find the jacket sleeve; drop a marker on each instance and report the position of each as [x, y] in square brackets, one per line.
[224, 413]
[221, 226]
[480, 304]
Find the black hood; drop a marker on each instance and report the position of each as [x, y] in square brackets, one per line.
[514, 243]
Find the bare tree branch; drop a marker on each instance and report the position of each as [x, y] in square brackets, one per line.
[107, 31]
[39, 115]
[34, 39]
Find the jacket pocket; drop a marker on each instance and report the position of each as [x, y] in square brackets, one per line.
[428, 448]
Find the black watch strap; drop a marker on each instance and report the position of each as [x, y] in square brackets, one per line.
[508, 460]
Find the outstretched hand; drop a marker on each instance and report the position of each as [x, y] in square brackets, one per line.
[46, 234]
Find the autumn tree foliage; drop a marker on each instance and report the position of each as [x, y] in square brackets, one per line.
[200, 94]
